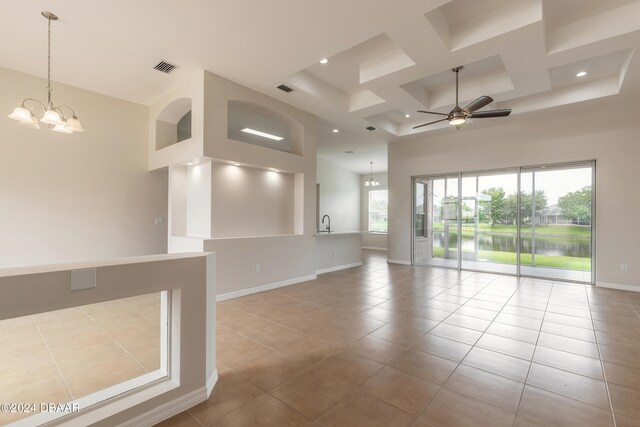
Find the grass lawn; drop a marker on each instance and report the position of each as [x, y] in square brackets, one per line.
[549, 230]
[569, 263]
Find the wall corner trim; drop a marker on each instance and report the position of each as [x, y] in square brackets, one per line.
[339, 267]
[618, 286]
[211, 383]
[169, 409]
[262, 288]
[398, 261]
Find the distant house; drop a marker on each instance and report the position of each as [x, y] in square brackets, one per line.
[553, 215]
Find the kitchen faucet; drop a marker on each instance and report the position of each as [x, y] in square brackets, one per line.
[328, 226]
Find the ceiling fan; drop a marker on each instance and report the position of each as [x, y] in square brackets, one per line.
[458, 116]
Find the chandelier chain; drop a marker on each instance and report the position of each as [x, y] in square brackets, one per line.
[49, 64]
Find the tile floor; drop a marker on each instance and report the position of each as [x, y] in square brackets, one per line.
[59, 356]
[390, 345]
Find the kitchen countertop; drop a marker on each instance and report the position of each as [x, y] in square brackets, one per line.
[339, 234]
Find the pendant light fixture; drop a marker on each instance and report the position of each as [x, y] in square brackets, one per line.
[371, 182]
[53, 116]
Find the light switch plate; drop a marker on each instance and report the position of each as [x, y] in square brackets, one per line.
[83, 279]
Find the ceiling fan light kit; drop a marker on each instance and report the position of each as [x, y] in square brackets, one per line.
[53, 115]
[458, 116]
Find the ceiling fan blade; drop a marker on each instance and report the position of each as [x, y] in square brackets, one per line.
[430, 123]
[478, 104]
[490, 113]
[432, 112]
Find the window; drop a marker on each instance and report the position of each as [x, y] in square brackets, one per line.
[378, 200]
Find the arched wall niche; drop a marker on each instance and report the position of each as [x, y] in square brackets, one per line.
[276, 130]
[173, 124]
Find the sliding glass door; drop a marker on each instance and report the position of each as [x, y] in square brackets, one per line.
[436, 225]
[530, 221]
[556, 222]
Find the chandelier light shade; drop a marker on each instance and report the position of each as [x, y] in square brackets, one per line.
[371, 182]
[53, 116]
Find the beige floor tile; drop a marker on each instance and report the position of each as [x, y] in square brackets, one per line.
[521, 321]
[398, 334]
[485, 386]
[564, 319]
[450, 409]
[508, 346]
[377, 349]
[264, 411]
[467, 322]
[309, 350]
[230, 393]
[527, 422]
[444, 347]
[337, 335]
[570, 345]
[513, 332]
[425, 365]
[554, 409]
[498, 363]
[183, 419]
[621, 356]
[313, 392]
[569, 362]
[457, 333]
[270, 370]
[361, 410]
[625, 400]
[576, 386]
[404, 391]
[351, 366]
[622, 375]
[569, 331]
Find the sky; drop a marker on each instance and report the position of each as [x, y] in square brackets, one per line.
[555, 183]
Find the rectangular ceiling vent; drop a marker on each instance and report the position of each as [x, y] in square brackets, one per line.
[165, 67]
[285, 88]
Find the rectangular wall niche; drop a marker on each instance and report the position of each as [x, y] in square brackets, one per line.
[249, 201]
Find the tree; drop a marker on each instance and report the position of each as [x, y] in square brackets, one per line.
[577, 205]
[493, 210]
[526, 206]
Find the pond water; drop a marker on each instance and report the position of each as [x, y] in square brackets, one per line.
[579, 247]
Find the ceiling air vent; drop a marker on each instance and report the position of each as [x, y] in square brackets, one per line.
[165, 67]
[370, 128]
[284, 88]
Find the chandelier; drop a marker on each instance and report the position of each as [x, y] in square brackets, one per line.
[371, 182]
[53, 116]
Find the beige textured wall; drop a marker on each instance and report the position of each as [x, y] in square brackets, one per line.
[339, 196]
[249, 201]
[82, 196]
[592, 130]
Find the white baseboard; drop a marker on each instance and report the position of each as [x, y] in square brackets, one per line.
[168, 410]
[374, 248]
[398, 261]
[211, 382]
[618, 286]
[268, 287]
[339, 267]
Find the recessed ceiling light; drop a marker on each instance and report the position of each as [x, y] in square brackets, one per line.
[581, 74]
[262, 134]
[336, 130]
[236, 164]
[349, 152]
[324, 60]
[275, 170]
[407, 115]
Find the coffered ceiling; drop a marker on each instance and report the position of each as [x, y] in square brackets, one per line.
[386, 59]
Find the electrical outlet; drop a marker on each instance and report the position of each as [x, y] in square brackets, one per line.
[333, 254]
[624, 267]
[258, 268]
[158, 220]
